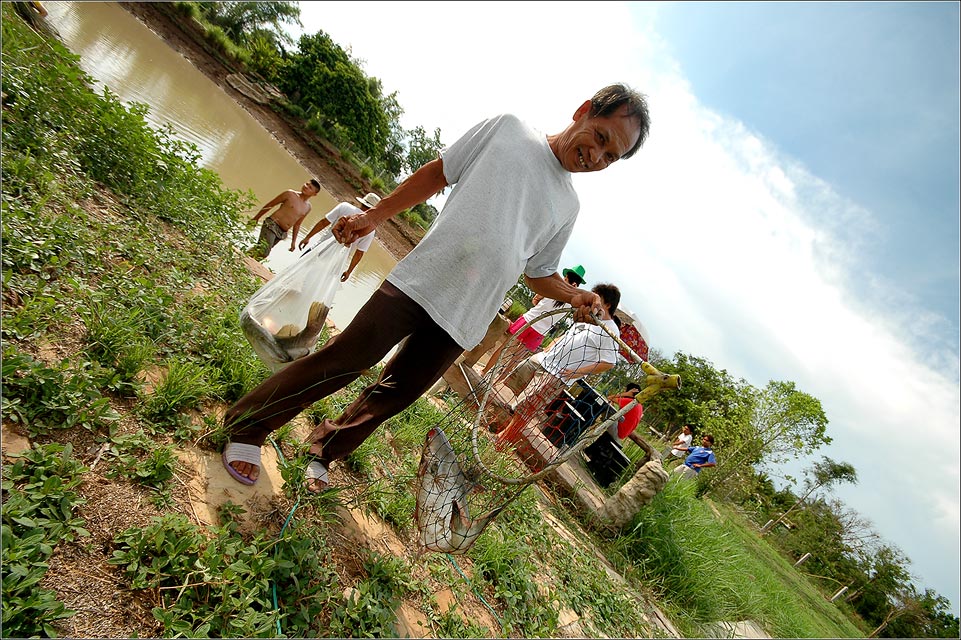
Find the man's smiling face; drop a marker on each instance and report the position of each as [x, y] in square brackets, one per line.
[592, 144]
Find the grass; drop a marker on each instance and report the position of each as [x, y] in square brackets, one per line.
[705, 568]
[121, 287]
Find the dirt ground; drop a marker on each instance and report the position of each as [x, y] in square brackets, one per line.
[318, 157]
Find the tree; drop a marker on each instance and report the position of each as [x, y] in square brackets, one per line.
[421, 149]
[822, 474]
[710, 400]
[393, 153]
[321, 77]
[241, 20]
[785, 422]
[917, 615]
[885, 571]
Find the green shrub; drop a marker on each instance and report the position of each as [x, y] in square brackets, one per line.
[369, 609]
[213, 583]
[516, 310]
[187, 9]
[115, 340]
[41, 399]
[38, 513]
[138, 458]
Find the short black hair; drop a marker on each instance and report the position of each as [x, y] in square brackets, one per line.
[633, 385]
[608, 100]
[709, 437]
[316, 184]
[610, 294]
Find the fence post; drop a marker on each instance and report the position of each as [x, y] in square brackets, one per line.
[840, 593]
[803, 558]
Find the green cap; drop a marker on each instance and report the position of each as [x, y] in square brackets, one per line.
[577, 271]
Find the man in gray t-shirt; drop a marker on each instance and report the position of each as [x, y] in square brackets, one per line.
[511, 211]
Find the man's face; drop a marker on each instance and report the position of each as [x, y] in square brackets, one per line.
[309, 189]
[687, 431]
[705, 442]
[592, 144]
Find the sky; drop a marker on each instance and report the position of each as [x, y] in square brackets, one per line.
[794, 214]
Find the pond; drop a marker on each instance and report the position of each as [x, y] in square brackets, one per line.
[122, 54]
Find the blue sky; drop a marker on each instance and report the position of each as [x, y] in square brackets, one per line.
[865, 94]
[793, 215]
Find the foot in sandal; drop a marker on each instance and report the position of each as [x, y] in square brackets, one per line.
[242, 462]
[317, 477]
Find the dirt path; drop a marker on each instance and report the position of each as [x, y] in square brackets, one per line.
[341, 179]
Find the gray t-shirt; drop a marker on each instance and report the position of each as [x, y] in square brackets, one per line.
[511, 211]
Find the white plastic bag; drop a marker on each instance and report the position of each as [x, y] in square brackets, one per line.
[283, 320]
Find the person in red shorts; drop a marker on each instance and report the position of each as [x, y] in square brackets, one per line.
[628, 423]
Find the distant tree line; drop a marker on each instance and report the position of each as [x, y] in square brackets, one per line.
[756, 431]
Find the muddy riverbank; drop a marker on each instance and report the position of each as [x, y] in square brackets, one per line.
[318, 157]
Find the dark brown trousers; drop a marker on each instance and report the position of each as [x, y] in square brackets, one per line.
[388, 318]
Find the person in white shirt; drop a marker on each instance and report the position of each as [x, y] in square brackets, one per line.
[680, 445]
[360, 245]
[585, 349]
[511, 211]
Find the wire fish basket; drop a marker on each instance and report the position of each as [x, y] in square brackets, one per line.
[510, 427]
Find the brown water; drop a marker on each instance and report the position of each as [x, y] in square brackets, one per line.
[119, 52]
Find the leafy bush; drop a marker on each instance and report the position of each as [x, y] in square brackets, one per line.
[182, 387]
[42, 398]
[214, 584]
[140, 459]
[115, 340]
[38, 506]
[370, 606]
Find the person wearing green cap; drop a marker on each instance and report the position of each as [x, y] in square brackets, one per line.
[531, 338]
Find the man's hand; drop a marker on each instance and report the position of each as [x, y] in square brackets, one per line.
[303, 243]
[344, 276]
[349, 228]
[585, 303]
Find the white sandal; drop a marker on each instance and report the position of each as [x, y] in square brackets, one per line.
[240, 452]
[317, 471]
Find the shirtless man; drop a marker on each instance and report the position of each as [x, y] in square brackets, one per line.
[294, 207]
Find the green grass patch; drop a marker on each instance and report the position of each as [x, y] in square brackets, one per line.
[707, 570]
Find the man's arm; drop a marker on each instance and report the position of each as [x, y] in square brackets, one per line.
[354, 260]
[417, 188]
[293, 232]
[594, 367]
[281, 197]
[320, 226]
[555, 287]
